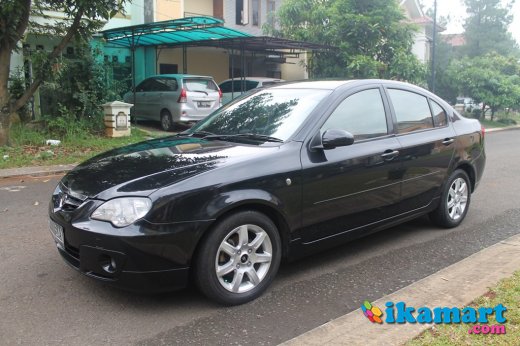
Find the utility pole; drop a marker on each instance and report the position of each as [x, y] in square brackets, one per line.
[434, 44]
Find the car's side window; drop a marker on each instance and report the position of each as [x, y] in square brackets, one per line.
[226, 87]
[167, 84]
[362, 114]
[440, 118]
[143, 86]
[411, 110]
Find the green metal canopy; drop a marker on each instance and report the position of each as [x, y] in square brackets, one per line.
[172, 32]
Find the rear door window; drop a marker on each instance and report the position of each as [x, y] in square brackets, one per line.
[411, 110]
[167, 84]
[440, 118]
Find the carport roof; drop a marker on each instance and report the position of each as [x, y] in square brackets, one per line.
[172, 32]
[199, 31]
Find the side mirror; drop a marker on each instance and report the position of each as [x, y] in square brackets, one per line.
[331, 139]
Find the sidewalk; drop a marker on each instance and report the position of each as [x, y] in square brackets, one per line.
[454, 286]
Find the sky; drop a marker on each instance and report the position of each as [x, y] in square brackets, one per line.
[457, 12]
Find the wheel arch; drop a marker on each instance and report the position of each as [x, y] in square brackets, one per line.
[253, 205]
[470, 171]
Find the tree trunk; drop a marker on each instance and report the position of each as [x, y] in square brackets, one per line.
[5, 65]
[492, 113]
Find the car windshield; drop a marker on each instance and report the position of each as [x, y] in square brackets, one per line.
[276, 113]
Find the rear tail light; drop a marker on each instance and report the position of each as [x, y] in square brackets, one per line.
[482, 131]
[183, 98]
[219, 93]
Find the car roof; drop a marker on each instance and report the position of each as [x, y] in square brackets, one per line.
[315, 84]
[254, 79]
[334, 84]
[179, 75]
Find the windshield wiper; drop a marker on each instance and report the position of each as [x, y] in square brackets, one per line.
[201, 134]
[255, 136]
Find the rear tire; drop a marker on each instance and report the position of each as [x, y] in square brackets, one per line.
[166, 120]
[455, 201]
[239, 258]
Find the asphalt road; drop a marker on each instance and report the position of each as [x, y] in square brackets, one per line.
[44, 302]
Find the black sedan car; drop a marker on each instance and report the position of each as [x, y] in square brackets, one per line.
[277, 174]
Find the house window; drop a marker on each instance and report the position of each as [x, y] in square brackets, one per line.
[256, 12]
[242, 12]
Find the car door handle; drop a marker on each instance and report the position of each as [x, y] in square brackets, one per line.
[389, 154]
[448, 141]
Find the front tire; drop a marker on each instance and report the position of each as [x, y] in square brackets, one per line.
[455, 200]
[239, 258]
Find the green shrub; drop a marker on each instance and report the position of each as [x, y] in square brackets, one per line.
[507, 121]
[476, 113]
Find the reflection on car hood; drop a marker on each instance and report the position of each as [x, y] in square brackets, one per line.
[142, 168]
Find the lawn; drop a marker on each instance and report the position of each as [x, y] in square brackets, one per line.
[29, 148]
[507, 293]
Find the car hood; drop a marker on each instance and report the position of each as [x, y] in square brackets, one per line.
[142, 168]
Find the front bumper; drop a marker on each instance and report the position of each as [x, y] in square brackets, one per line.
[142, 257]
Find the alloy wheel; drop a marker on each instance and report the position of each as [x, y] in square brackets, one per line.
[243, 258]
[457, 198]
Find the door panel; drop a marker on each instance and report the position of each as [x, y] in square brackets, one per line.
[349, 187]
[353, 186]
[426, 161]
[427, 147]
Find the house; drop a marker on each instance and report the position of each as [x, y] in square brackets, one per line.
[247, 16]
[424, 35]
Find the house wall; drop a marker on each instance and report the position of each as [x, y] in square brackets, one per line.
[421, 47]
[295, 69]
[204, 7]
[197, 61]
[168, 9]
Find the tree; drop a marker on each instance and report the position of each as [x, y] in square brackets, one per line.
[83, 17]
[486, 28]
[492, 80]
[373, 39]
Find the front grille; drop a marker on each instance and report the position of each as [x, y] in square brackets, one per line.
[69, 203]
[67, 200]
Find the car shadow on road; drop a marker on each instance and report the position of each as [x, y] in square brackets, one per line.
[342, 256]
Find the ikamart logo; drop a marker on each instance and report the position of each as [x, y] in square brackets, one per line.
[400, 313]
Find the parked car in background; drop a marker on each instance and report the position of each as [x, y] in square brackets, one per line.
[233, 88]
[174, 98]
[283, 172]
[465, 104]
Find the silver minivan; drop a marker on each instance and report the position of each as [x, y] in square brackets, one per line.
[174, 98]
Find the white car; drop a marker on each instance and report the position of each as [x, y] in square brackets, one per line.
[232, 88]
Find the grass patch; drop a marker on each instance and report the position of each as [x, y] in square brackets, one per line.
[29, 148]
[507, 293]
[488, 124]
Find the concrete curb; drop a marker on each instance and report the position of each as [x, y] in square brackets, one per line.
[496, 129]
[454, 286]
[35, 171]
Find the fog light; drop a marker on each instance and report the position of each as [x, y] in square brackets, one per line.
[108, 264]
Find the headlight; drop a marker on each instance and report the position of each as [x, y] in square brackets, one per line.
[122, 212]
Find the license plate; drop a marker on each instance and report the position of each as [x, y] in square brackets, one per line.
[203, 104]
[57, 233]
